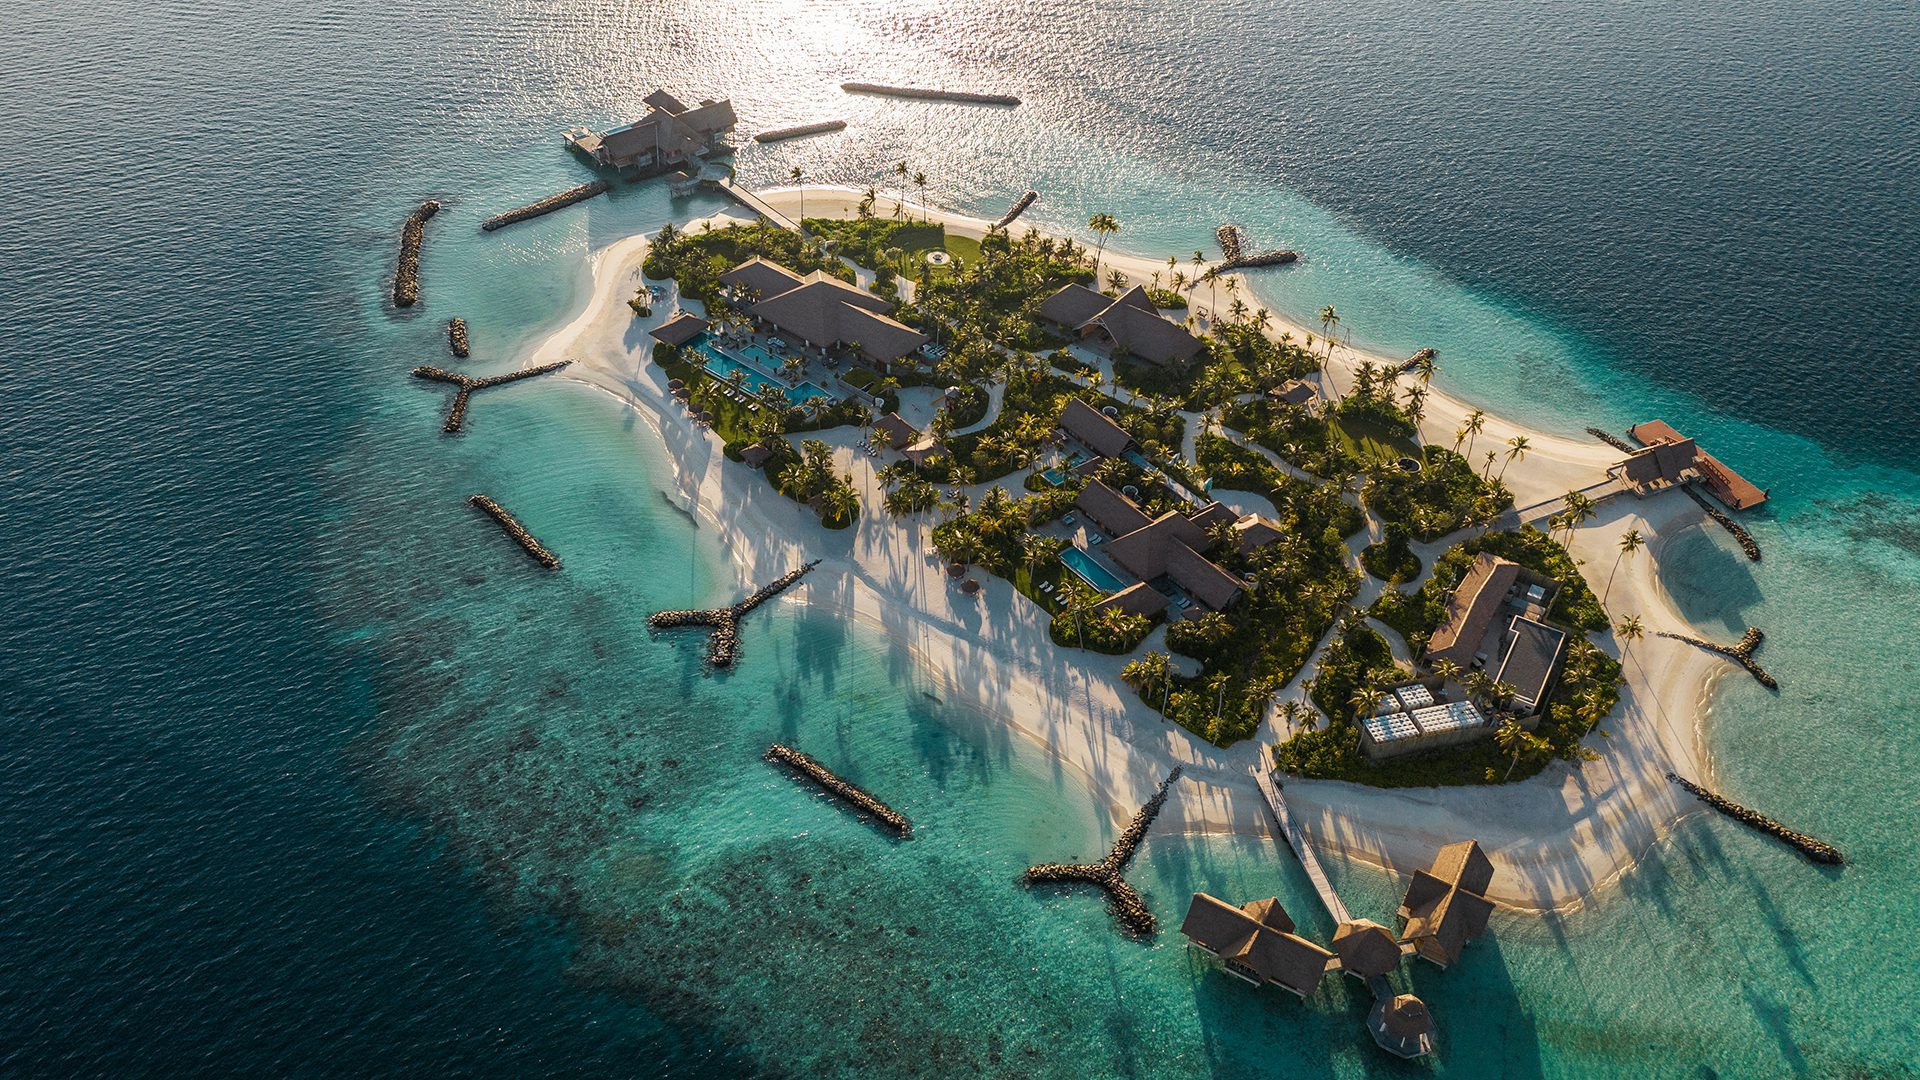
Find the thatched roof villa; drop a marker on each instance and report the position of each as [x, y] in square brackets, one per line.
[1446, 905]
[1256, 943]
[821, 310]
[1130, 324]
[670, 136]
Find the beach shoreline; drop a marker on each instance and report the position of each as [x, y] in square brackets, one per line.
[1557, 839]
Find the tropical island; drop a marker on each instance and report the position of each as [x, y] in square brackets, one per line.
[1107, 499]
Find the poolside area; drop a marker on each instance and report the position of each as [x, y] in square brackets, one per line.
[722, 364]
[1090, 571]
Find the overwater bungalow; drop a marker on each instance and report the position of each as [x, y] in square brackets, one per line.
[670, 137]
[1670, 459]
[1402, 1025]
[1256, 943]
[1366, 948]
[821, 311]
[1446, 904]
[1130, 324]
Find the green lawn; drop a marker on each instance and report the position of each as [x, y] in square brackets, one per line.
[1371, 442]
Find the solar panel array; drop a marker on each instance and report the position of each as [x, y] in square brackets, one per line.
[1414, 696]
[1452, 716]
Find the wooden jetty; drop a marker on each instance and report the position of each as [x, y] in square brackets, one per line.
[800, 130]
[961, 96]
[1729, 487]
[806, 766]
[457, 416]
[406, 279]
[512, 527]
[457, 336]
[1125, 903]
[1817, 850]
[1019, 207]
[1740, 653]
[1302, 846]
[547, 205]
[723, 645]
[756, 204]
[1233, 242]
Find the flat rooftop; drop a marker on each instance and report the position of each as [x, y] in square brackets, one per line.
[1728, 486]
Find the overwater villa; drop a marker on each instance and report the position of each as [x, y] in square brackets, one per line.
[1256, 943]
[1446, 905]
[821, 311]
[1166, 547]
[1130, 324]
[1670, 459]
[671, 136]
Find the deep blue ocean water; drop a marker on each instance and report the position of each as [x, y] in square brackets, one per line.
[306, 774]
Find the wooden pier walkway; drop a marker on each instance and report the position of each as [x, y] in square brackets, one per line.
[1302, 846]
[756, 204]
[1546, 508]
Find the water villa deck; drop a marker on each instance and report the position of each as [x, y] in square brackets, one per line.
[1726, 485]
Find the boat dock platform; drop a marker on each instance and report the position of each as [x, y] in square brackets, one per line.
[1728, 486]
[1301, 845]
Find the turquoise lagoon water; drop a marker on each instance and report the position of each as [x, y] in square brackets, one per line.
[310, 772]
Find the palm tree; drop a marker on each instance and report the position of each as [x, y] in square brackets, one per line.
[1516, 451]
[1629, 630]
[1105, 225]
[1199, 263]
[920, 181]
[795, 177]
[838, 502]
[1519, 742]
[1424, 366]
[878, 440]
[1364, 699]
[1476, 423]
[1447, 669]
[1178, 281]
[1630, 542]
[1151, 672]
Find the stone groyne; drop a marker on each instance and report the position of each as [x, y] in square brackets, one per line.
[1817, 850]
[457, 416]
[513, 528]
[961, 96]
[1740, 653]
[1415, 360]
[547, 205]
[1128, 908]
[1233, 244]
[457, 337]
[1019, 207]
[723, 645]
[1612, 440]
[799, 130]
[1734, 528]
[852, 794]
[406, 279]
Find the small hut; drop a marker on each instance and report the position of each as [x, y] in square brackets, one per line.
[1402, 1025]
[1366, 948]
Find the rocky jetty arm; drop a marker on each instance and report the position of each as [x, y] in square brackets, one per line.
[457, 337]
[1818, 850]
[1019, 207]
[547, 205]
[723, 645]
[512, 527]
[406, 279]
[799, 130]
[1233, 242]
[806, 766]
[961, 96]
[457, 415]
[1125, 902]
[1740, 652]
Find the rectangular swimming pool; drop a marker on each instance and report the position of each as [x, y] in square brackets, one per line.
[1091, 572]
[722, 364]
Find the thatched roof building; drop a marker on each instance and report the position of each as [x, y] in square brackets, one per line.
[1256, 943]
[1446, 905]
[680, 329]
[669, 136]
[1365, 948]
[1095, 430]
[1130, 324]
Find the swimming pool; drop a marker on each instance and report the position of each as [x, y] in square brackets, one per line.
[721, 365]
[1091, 572]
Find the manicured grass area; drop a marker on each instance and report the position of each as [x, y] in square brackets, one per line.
[1370, 441]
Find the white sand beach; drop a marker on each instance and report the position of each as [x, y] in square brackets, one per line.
[1555, 839]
